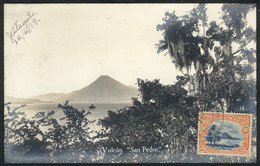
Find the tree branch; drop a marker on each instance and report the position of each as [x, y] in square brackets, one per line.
[241, 47]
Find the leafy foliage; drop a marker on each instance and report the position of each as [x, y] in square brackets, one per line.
[191, 40]
[43, 134]
[214, 134]
[154, 120]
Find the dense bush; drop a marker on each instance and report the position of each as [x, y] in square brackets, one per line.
[46, 136]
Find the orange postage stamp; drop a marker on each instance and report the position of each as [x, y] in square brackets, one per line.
[224, 134]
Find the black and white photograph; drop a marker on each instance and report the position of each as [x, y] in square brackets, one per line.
[130, 83]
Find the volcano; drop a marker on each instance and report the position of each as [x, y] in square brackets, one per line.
[103, 89]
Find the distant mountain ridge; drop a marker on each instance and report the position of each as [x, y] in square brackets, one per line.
[225, 135]
[48, 96]
[103, 89]
[21, 100]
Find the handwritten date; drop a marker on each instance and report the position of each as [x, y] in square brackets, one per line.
[20, 30]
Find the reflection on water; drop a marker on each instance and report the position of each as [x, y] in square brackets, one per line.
[99, 112]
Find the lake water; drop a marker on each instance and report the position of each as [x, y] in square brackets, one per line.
[231, 142]
[99, 112]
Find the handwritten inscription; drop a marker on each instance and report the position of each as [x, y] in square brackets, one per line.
[20, 29]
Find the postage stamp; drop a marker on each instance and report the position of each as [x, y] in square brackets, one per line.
[224, 134]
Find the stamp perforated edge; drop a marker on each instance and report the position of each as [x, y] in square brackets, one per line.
[223, 154]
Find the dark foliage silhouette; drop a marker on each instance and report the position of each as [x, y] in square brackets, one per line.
[45, 135]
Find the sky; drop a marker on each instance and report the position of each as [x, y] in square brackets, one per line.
[74, 44]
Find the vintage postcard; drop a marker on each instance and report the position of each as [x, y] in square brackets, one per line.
[130, 83]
